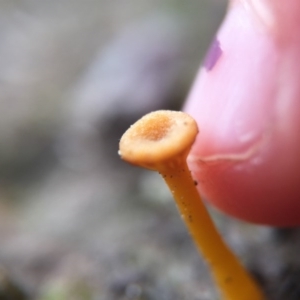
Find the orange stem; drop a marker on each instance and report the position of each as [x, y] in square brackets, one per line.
[233, 280]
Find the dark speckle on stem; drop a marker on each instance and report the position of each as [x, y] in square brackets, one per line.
[213, 55]
[228, 280]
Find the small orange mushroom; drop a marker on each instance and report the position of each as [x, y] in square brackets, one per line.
[161, 141]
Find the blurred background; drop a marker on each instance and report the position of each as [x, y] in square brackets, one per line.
[77, 223]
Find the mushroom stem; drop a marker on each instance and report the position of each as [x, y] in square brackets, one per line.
[234, 282]
[161, 141]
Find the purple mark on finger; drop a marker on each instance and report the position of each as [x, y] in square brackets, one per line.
[213, 55]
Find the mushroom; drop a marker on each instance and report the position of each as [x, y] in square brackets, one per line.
[161, 141]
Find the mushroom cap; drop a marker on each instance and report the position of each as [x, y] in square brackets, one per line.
[158, 137]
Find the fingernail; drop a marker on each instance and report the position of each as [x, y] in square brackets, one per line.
[233, 96]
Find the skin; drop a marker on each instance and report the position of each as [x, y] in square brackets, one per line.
[246, 101]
